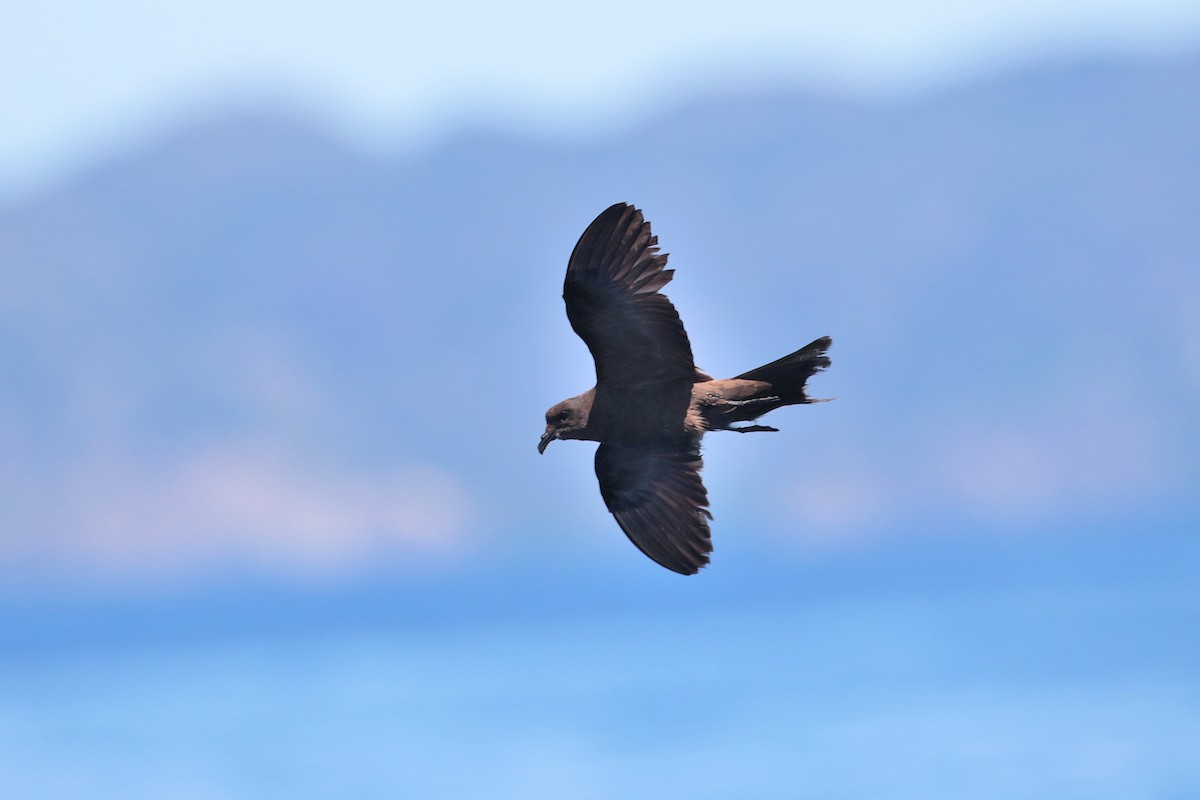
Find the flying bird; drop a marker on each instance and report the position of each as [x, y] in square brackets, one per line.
[651, 405]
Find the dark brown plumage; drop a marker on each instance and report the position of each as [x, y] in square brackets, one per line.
[651, 405]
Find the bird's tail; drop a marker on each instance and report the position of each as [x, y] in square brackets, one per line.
[788, 375]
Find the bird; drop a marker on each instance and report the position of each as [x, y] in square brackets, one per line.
[651, 405]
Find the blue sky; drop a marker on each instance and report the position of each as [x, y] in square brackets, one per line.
[250, 568]
[385, 77]
[85, 78]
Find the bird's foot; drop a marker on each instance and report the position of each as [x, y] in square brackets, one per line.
[754, 429]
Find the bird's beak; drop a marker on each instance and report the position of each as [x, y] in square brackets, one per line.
[549, 436]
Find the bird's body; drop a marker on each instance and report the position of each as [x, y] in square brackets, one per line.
[651, 405]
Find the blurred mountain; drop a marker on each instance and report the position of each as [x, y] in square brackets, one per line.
[251, 344]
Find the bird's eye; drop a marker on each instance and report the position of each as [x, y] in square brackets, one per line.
[562, 415]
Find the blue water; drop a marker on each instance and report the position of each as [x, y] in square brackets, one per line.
[1000, 670]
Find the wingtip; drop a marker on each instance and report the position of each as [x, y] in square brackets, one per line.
[676, 565]
[692, 569]
[819, 345]
[617, 210]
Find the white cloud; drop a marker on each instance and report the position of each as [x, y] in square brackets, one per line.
[837, 502]
[1001, 469]
[245, 503]
[1101, 453]
[1083, 451]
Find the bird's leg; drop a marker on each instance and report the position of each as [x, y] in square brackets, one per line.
[753, 429]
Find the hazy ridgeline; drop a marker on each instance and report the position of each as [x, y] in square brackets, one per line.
[260, 539]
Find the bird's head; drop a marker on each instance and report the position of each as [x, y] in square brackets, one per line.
[566, 420]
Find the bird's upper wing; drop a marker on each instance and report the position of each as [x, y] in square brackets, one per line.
[659, 501]
[611, 292]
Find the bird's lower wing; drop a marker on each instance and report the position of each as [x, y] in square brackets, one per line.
[659, 501]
